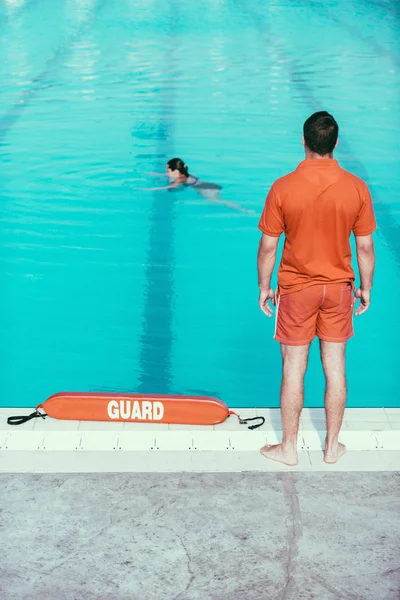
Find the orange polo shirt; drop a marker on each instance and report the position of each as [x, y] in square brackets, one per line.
[317, 207]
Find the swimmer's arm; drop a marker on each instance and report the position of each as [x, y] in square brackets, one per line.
[157, 174]
[175, 184]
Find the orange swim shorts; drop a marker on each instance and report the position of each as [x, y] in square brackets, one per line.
[325, 311]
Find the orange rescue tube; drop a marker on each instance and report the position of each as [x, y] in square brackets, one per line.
[139, 408]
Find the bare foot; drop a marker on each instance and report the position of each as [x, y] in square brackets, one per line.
[333, 454]
[280, 454]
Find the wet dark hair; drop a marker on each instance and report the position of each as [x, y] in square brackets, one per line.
[321, 133]
[176, 164]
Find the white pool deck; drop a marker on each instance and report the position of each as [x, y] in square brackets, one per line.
[372, 437]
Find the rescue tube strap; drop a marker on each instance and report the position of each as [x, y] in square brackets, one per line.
[245, 421]
[18, 420]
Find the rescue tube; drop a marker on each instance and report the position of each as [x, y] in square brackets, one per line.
[139, 408]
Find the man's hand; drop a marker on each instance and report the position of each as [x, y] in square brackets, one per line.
[365, 299]
[266, 295]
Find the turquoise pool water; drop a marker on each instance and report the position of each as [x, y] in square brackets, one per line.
[109, 287]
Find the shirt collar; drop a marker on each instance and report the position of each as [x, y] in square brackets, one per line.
[318, 162]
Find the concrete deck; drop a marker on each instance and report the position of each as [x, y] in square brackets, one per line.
[209, 536]
[372, 437]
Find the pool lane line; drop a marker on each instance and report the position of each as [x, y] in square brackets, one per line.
[390, 228]
[156, 340]
[324, 11]
[157, 333]
[156, 336]
[40, 81]
[389, 8]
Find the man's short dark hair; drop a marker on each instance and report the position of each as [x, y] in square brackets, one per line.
[321, 133]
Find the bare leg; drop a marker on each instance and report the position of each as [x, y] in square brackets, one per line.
[334, 364]
[292, 399]
[212, 195]
[235, 206]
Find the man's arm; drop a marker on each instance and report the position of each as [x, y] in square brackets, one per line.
[266, 263]
[366, 266]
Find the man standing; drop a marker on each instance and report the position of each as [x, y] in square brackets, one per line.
[317, 207]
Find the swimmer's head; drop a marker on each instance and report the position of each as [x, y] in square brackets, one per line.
[176, 168]
[320, 133]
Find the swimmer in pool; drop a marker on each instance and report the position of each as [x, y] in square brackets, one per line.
[178, 175]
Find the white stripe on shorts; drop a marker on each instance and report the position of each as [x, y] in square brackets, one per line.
[276, 313]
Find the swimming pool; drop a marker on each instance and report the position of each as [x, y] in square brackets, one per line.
[109, 287]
